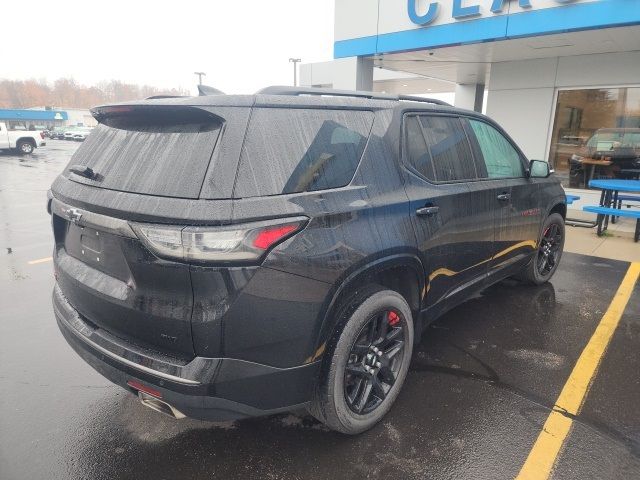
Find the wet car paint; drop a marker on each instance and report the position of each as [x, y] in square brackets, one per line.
[349, 231]
[481, 385]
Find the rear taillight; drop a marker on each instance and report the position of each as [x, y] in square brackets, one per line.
[270, 236]
[42, 135]
[246, 242]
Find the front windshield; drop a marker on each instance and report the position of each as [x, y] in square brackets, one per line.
[611, 140]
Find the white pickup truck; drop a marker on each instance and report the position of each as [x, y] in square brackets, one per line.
[25, 141]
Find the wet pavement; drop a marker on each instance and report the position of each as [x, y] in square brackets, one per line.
[481, 385]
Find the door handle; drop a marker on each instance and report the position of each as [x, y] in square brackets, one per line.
[427, 211]
[504, 197]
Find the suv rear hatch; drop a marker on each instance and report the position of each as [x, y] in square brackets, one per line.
[139, 162]
[161, 151]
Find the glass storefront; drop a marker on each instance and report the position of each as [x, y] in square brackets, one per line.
[596, 134]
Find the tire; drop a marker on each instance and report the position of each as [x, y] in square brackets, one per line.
[388, 370]
[24, 147]
[532, 273]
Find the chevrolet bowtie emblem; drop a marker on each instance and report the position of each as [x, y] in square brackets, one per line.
[74, 215]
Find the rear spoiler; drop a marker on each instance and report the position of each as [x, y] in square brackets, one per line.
[104, 111]
[154, 113]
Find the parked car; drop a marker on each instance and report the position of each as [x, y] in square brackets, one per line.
[56, 133]
[24, 141]
[232, 256]
[68, 134]
[620, 145]
[80, 134]
[53, 133]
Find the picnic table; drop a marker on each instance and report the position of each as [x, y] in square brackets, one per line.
[577, 222]
[611, 202]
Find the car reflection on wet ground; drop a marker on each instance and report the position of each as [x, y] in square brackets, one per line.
[482, 383]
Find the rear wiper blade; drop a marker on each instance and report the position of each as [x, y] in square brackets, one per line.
[83, 171]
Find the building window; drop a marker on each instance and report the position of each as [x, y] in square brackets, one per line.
[17, 125]
[596, 134]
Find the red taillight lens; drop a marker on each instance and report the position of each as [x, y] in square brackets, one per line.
[246, 242]
[42, 135]
[143, 388]
[270, 236]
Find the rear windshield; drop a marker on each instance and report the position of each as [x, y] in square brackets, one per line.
[300, 150]
[163, 153]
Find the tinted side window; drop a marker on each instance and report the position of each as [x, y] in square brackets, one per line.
[300, 150]
[500, 157]
[448, 154]
[449, 147]
[417, 151]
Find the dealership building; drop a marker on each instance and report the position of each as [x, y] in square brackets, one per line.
[553, 73]
[41, 118]
[29, 119]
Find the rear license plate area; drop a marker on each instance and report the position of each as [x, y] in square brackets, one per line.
[84, 243]
[97, 249]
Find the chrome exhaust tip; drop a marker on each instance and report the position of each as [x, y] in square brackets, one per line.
[159, 405]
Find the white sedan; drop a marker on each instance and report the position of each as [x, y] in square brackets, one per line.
[78, 134]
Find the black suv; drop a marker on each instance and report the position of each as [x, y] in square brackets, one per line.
[229, 256]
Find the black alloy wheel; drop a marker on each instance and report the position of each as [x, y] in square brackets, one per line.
[366, 362]
[547, 256]
[374, 361]
[550, 245]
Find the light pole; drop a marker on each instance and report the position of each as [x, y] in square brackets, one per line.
[295, 62]
[200, 75]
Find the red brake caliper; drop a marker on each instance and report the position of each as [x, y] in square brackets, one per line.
[393, 318]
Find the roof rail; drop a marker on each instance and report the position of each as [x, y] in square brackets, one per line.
[413, 98]
[284, 90]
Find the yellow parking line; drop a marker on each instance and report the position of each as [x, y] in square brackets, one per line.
[40, 260]
[544, 453]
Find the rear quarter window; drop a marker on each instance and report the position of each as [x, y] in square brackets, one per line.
[300, 150]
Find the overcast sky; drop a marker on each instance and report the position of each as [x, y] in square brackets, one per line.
[242, 45]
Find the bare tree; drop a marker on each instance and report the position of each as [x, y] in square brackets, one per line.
[66, 92]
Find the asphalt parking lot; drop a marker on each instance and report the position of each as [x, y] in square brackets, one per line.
[483, 382]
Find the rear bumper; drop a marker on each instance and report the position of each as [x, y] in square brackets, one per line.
[215, 389]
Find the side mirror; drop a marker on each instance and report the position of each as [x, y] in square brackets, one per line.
[539, 169]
